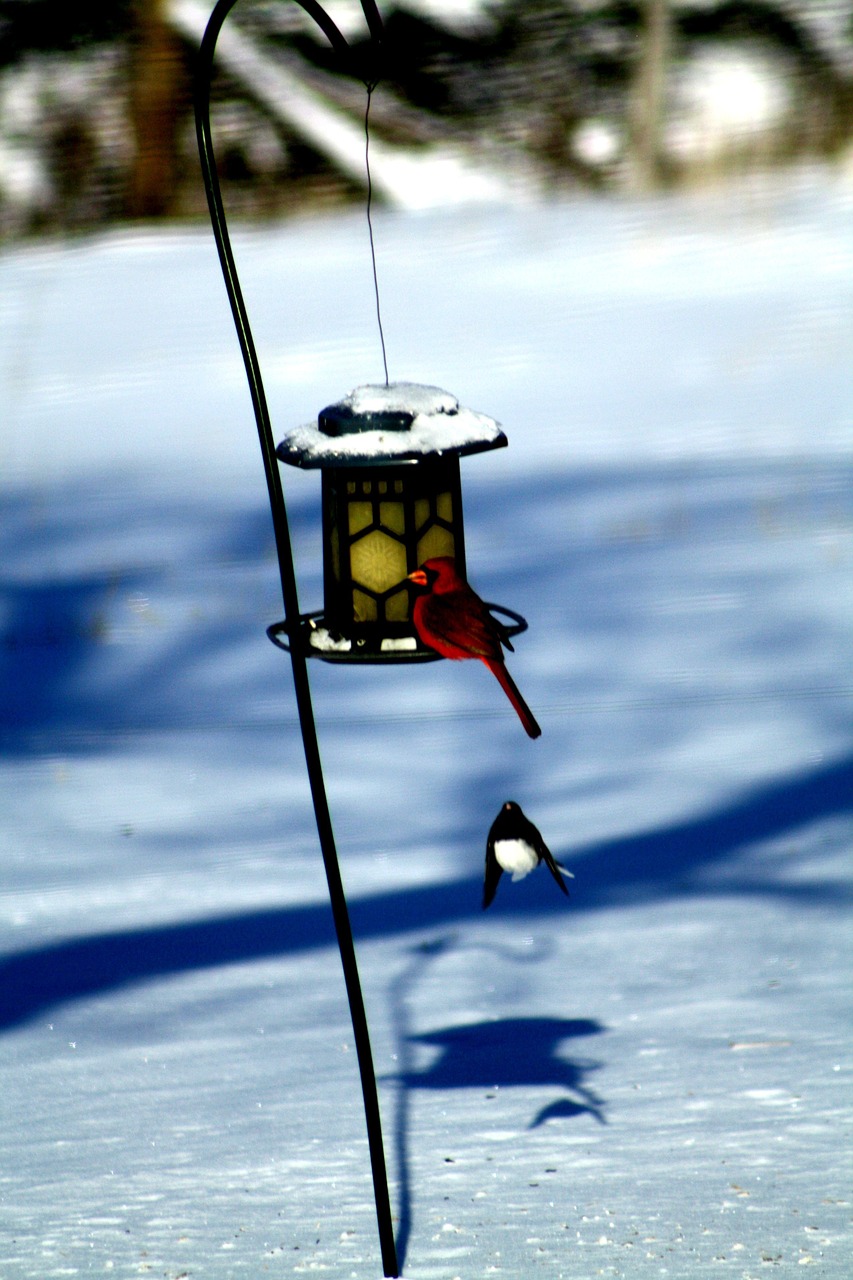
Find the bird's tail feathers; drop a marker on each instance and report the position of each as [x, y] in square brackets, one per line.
[511, 690]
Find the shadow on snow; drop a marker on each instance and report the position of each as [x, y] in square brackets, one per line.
[118, 598]
[624, 871]
[511, 1051]
[500, 1053]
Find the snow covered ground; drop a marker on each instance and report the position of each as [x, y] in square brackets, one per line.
[652, 1079]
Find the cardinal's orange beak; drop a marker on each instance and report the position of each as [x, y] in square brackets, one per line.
[419, 578]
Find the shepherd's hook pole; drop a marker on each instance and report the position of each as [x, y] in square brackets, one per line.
[291, 600]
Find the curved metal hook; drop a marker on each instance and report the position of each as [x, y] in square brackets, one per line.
[229, 269]
[333, 34]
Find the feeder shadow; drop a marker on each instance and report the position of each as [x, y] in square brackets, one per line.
[507, 1053]
[487, 1055]
[511, 1051]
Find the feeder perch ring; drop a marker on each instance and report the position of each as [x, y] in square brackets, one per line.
[316, 640]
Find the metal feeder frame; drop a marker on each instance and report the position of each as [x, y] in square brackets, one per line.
[302, 627]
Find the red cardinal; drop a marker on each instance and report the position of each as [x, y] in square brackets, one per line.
[452, 619]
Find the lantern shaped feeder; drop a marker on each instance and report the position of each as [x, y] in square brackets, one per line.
[391, 499]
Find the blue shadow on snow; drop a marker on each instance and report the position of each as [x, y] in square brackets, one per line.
[486, 1056]
[511, 1051]
[647, 866]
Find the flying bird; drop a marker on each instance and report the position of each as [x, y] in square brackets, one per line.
[453, 620]
[515, 845]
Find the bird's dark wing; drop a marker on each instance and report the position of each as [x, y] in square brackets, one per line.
[494, 871]
[548, 859]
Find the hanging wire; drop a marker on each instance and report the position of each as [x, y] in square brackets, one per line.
[370, 88]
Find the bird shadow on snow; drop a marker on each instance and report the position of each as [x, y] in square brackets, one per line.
[489, 1055]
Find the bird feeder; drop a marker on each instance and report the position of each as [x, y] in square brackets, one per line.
[391, 499]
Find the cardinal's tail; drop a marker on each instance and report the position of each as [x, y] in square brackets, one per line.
[510, 688]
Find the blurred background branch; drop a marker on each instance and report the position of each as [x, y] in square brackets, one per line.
[95, 117]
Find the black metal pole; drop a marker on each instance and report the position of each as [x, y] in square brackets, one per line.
[291, 605]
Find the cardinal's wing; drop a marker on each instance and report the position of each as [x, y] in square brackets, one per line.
[464, 624]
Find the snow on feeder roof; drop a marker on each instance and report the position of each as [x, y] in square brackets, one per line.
[392, 499]
[402, 422]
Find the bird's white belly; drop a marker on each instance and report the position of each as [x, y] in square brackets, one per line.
[516, 856]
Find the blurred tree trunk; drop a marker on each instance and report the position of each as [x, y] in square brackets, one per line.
[649, 96]
[158, 96]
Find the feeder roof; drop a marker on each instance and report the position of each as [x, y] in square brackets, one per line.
[398, 423]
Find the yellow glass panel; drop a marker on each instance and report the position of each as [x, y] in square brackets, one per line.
[398, 486]
[383, 486]
[422, 512]
[360, 516]
[393, 516]
[350, 486]
[444, 507]
[435, 542]
[363, 607]
[397, 607]
[378, 561]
